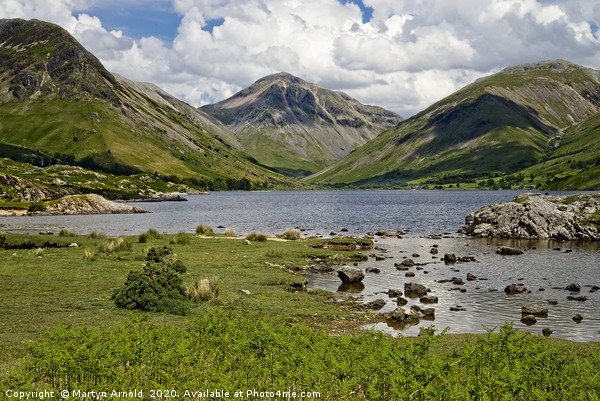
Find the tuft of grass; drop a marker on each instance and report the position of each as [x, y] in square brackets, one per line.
[256, 237]
[89, 254]
[180, 238]
[205, 289]
[97, 235]
[38, 252]
[205, 230]
[66, 233]
[115, 245]
[292, 234]
[230, 233]
[152, 234]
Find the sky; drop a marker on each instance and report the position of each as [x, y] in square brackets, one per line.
[399, 54]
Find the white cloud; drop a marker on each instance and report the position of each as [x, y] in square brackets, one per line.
[409, 55]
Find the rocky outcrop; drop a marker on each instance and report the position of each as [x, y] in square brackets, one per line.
[534, 216]
[87, 204]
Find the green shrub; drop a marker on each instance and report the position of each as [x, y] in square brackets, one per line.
[205, 230]
[292, 234]
[256, 237]
[142, 238]
[157, 288]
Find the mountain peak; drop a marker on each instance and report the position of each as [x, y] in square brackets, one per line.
[281, 76]
[297, 127]
[44, 59]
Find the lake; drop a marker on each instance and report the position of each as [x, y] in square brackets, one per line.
[543, 269]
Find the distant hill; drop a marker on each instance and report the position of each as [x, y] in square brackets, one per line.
[296, 127]
[58, 104]
[528, 125]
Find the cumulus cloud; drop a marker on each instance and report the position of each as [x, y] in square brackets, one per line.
[408, 55]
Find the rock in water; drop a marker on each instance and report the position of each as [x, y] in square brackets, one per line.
[532, 310]
[507, 250]
[512, 289]
[350, 275]
[536, 216]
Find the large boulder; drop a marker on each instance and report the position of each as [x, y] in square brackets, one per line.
[88, 204]
[536, 216]
[350, 275]
[507, 250]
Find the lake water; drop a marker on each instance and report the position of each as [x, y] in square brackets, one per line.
[542, 270]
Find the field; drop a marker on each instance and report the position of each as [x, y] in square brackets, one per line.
[60, 329]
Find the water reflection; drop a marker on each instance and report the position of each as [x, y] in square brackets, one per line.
[545, 269]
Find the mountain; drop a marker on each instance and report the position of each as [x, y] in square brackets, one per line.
[510, 124]
[58, 104]
[296, 127]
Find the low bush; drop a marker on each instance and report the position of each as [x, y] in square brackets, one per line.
[230, 233]
[152, 233]
[36, 207]
[158, 287]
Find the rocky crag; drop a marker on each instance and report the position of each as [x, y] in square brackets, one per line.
[535, 216]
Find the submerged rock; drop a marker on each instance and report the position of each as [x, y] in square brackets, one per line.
[536, 216]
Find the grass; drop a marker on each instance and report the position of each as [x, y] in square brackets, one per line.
[205, 230]
[292, 234]
[59, 328]
[205, 289]
[256, 237]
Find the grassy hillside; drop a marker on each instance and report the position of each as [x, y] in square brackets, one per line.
[497, 126]
[57, 102]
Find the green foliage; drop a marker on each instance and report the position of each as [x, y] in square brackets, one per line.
[239, 348]
[256, 237]
[152, 233]
[159, 287]
[205, 230]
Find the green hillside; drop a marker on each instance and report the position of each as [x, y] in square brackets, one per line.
[59, 105]
[498, 126]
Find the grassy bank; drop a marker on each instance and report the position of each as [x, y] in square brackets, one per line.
[59, 328]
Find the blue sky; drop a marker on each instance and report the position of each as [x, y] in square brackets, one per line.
[402, 55]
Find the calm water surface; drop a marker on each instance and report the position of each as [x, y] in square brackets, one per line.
[416, 212]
